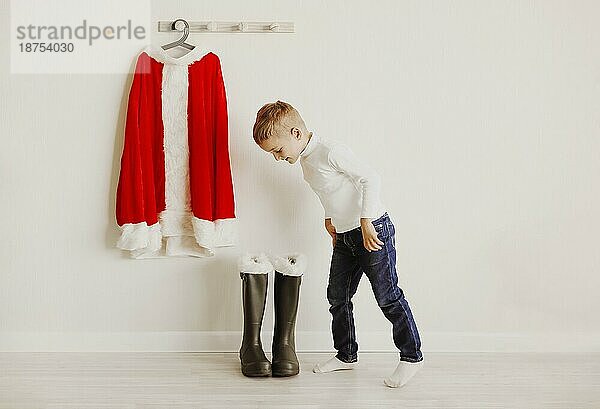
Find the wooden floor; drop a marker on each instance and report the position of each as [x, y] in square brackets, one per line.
[213, 380]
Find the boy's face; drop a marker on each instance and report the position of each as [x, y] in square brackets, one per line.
[285, 144]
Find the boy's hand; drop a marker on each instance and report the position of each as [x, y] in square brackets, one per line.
[331, 230]
[370, 239]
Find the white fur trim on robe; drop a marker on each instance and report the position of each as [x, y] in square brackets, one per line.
[177, 235]
[135, 236]
[220, 233]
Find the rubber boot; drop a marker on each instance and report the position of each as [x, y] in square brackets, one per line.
[286, 294]
[254, 294]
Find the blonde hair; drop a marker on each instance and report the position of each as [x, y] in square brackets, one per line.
[271, 115]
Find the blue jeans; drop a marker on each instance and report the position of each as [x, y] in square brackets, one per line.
[350, 259]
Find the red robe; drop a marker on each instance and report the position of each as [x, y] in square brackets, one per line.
[175, 191]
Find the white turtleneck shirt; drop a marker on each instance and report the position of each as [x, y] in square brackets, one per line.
[347, 188]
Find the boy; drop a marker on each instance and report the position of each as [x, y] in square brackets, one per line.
[361, 231]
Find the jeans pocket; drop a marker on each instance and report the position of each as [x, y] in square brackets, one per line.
[374, 257]
[391, 232]
[382, 230]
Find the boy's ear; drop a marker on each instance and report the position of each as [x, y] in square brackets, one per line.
[296, 133]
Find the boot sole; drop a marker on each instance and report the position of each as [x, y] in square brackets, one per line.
[256, 375]
[284, 374]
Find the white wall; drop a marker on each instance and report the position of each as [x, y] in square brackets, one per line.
[481, 116]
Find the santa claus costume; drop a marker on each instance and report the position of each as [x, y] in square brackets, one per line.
[175, 192]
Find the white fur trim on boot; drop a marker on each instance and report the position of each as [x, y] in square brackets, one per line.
[255, 263]
[293, 264]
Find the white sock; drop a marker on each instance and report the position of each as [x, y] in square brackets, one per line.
[333, 364]
[404, 371]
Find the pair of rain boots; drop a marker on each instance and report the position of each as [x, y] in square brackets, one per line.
[254, 272]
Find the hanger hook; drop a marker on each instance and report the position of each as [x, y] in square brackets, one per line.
[186, 29]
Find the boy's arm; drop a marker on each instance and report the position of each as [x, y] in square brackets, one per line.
[343, 160]
[330, 229]
[370, 239]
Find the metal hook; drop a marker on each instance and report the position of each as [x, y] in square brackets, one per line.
[181, 41]
[186, 29]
